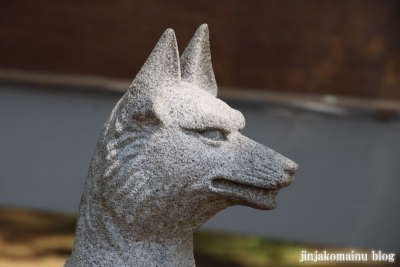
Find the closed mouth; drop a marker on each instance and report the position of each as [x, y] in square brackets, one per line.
[246, 194]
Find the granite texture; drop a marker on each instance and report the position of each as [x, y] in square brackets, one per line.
[170, 157]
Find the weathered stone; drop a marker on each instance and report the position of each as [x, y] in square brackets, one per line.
[170, 157]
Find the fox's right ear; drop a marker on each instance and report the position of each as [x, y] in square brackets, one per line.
[162, 66]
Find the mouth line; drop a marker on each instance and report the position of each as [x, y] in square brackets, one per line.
[252, 195]
[221, 182]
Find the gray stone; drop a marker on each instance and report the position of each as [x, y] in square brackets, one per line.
[170, 157]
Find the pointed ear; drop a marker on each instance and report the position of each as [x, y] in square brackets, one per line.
[196, 62]
[162, 66]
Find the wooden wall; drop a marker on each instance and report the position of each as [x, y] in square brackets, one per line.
[316, 46]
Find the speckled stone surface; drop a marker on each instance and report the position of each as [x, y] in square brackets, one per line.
[170, 157]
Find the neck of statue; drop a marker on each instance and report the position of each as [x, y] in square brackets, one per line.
[115, 249]
[134, 233]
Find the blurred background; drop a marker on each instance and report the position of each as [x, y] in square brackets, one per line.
[317, 81]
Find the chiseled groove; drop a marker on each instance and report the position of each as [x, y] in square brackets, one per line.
[267, 168]
[223, 183]
[260, 176]
[258, 179]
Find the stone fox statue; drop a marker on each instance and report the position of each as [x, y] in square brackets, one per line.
[170, 157]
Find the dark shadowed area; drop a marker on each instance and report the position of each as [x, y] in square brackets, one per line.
[349, 48]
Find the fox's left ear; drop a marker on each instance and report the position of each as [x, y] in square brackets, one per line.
[161, 69]
[162, 66]
[196, 64]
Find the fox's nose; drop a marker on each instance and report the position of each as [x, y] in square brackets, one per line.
[291, 167]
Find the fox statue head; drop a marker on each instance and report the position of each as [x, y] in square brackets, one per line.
[170, 157]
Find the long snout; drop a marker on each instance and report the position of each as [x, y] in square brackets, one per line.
[253, 173]
[257, 162]
[288, 169]
[286, 164]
